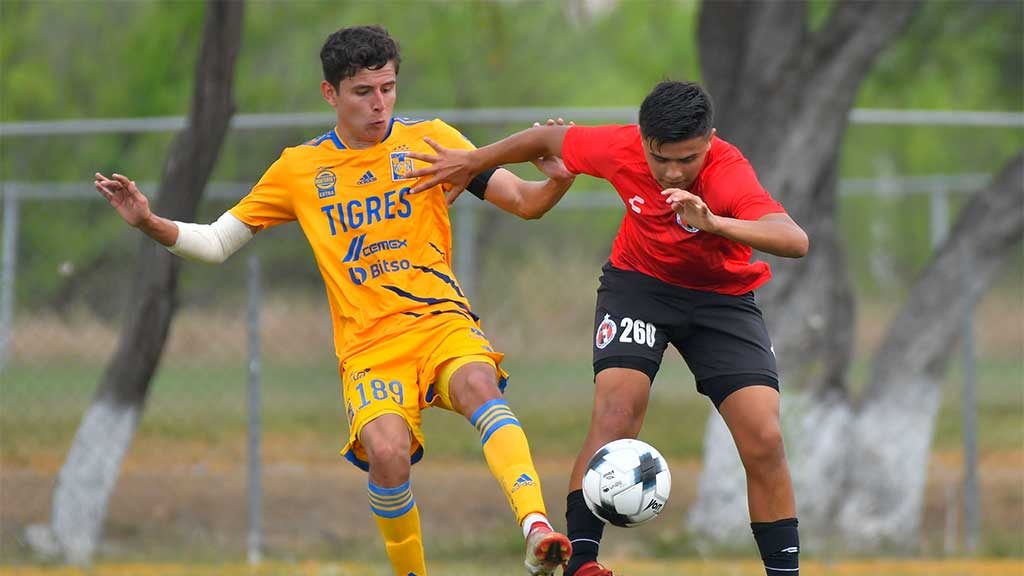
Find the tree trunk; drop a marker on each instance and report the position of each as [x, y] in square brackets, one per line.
[859, 470]
[890, 441]
[783, 95]
[89, 474]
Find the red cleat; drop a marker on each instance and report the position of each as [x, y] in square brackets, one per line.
[593, 569]
[546, 550]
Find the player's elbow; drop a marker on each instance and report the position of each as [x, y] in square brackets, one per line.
[532, 213]
[525, 209]
[206, 258]
[798, 246]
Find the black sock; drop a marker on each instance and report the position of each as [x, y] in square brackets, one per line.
[779, 544]
[584, 529]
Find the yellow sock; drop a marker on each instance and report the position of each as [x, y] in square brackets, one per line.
[398, 520]
[508, 456]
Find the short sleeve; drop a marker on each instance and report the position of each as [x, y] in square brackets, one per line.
[744, 197]
[269, 203]
[449, 137]
[591, 150]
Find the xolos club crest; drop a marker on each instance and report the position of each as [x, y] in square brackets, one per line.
[605, 332]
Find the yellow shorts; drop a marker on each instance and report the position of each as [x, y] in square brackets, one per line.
[407, 373]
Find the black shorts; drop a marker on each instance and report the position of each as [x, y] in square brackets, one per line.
[722, 338]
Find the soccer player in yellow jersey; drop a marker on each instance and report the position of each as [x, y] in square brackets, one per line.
[404, 333]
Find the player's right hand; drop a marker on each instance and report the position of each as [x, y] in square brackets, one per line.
[552, 166]
[125, 197]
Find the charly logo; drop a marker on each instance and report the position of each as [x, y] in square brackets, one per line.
[635, 202]
[401, 165]
[605, 333]
[324, 182]
[687, 227]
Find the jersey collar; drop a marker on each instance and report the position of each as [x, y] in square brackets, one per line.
[341, 145]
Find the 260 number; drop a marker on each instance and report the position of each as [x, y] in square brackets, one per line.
[637, 331]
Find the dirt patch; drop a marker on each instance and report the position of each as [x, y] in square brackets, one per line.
[195, 508]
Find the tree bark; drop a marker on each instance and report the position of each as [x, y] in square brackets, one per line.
[88, 476]
[859, 469]
[783, 94]
[891, 437]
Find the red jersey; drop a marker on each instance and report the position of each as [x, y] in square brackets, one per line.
[651, 240]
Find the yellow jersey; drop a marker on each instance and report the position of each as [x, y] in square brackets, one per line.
[384, 254]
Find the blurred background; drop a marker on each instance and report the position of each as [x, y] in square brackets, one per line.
[489, 68]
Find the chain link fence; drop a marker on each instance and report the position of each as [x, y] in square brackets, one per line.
[209, 476]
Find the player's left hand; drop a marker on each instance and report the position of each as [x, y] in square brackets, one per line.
[450, 167]
[691, 208]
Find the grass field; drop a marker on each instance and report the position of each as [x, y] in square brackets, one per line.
[667, 568]
[207, 403]
[181, 493]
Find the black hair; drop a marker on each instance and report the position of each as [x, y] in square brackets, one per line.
[676, 111]
[351, 49]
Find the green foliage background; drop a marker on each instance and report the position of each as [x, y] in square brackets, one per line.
[99, 59]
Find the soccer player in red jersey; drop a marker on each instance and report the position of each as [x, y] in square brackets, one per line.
[680, 272]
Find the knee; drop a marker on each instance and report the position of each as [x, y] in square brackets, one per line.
[618, 419]
[763, 448]
[388, 452]
[387, 449]
[477, 386]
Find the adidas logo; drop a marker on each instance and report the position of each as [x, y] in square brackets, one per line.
[367, 178]
[523, 480]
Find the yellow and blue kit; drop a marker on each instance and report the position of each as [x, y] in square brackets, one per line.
[398, 311]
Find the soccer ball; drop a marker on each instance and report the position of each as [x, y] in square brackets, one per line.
[627, 483]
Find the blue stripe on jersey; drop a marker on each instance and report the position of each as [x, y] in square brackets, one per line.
[444, 277]
[391, 126]
[424, 300]
[337, 141]
[319, 139]
[439, 251]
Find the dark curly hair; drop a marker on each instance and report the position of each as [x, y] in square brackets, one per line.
[351, 49]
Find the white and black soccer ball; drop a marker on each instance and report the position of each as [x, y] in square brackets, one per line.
[627, 483]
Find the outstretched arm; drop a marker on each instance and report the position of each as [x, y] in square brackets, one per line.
[775, 234]
[457, 167]
[211, 243]
[133, 207]
[526, 199]
[529, 200]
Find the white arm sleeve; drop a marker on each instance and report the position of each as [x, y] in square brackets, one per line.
[211, 243]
